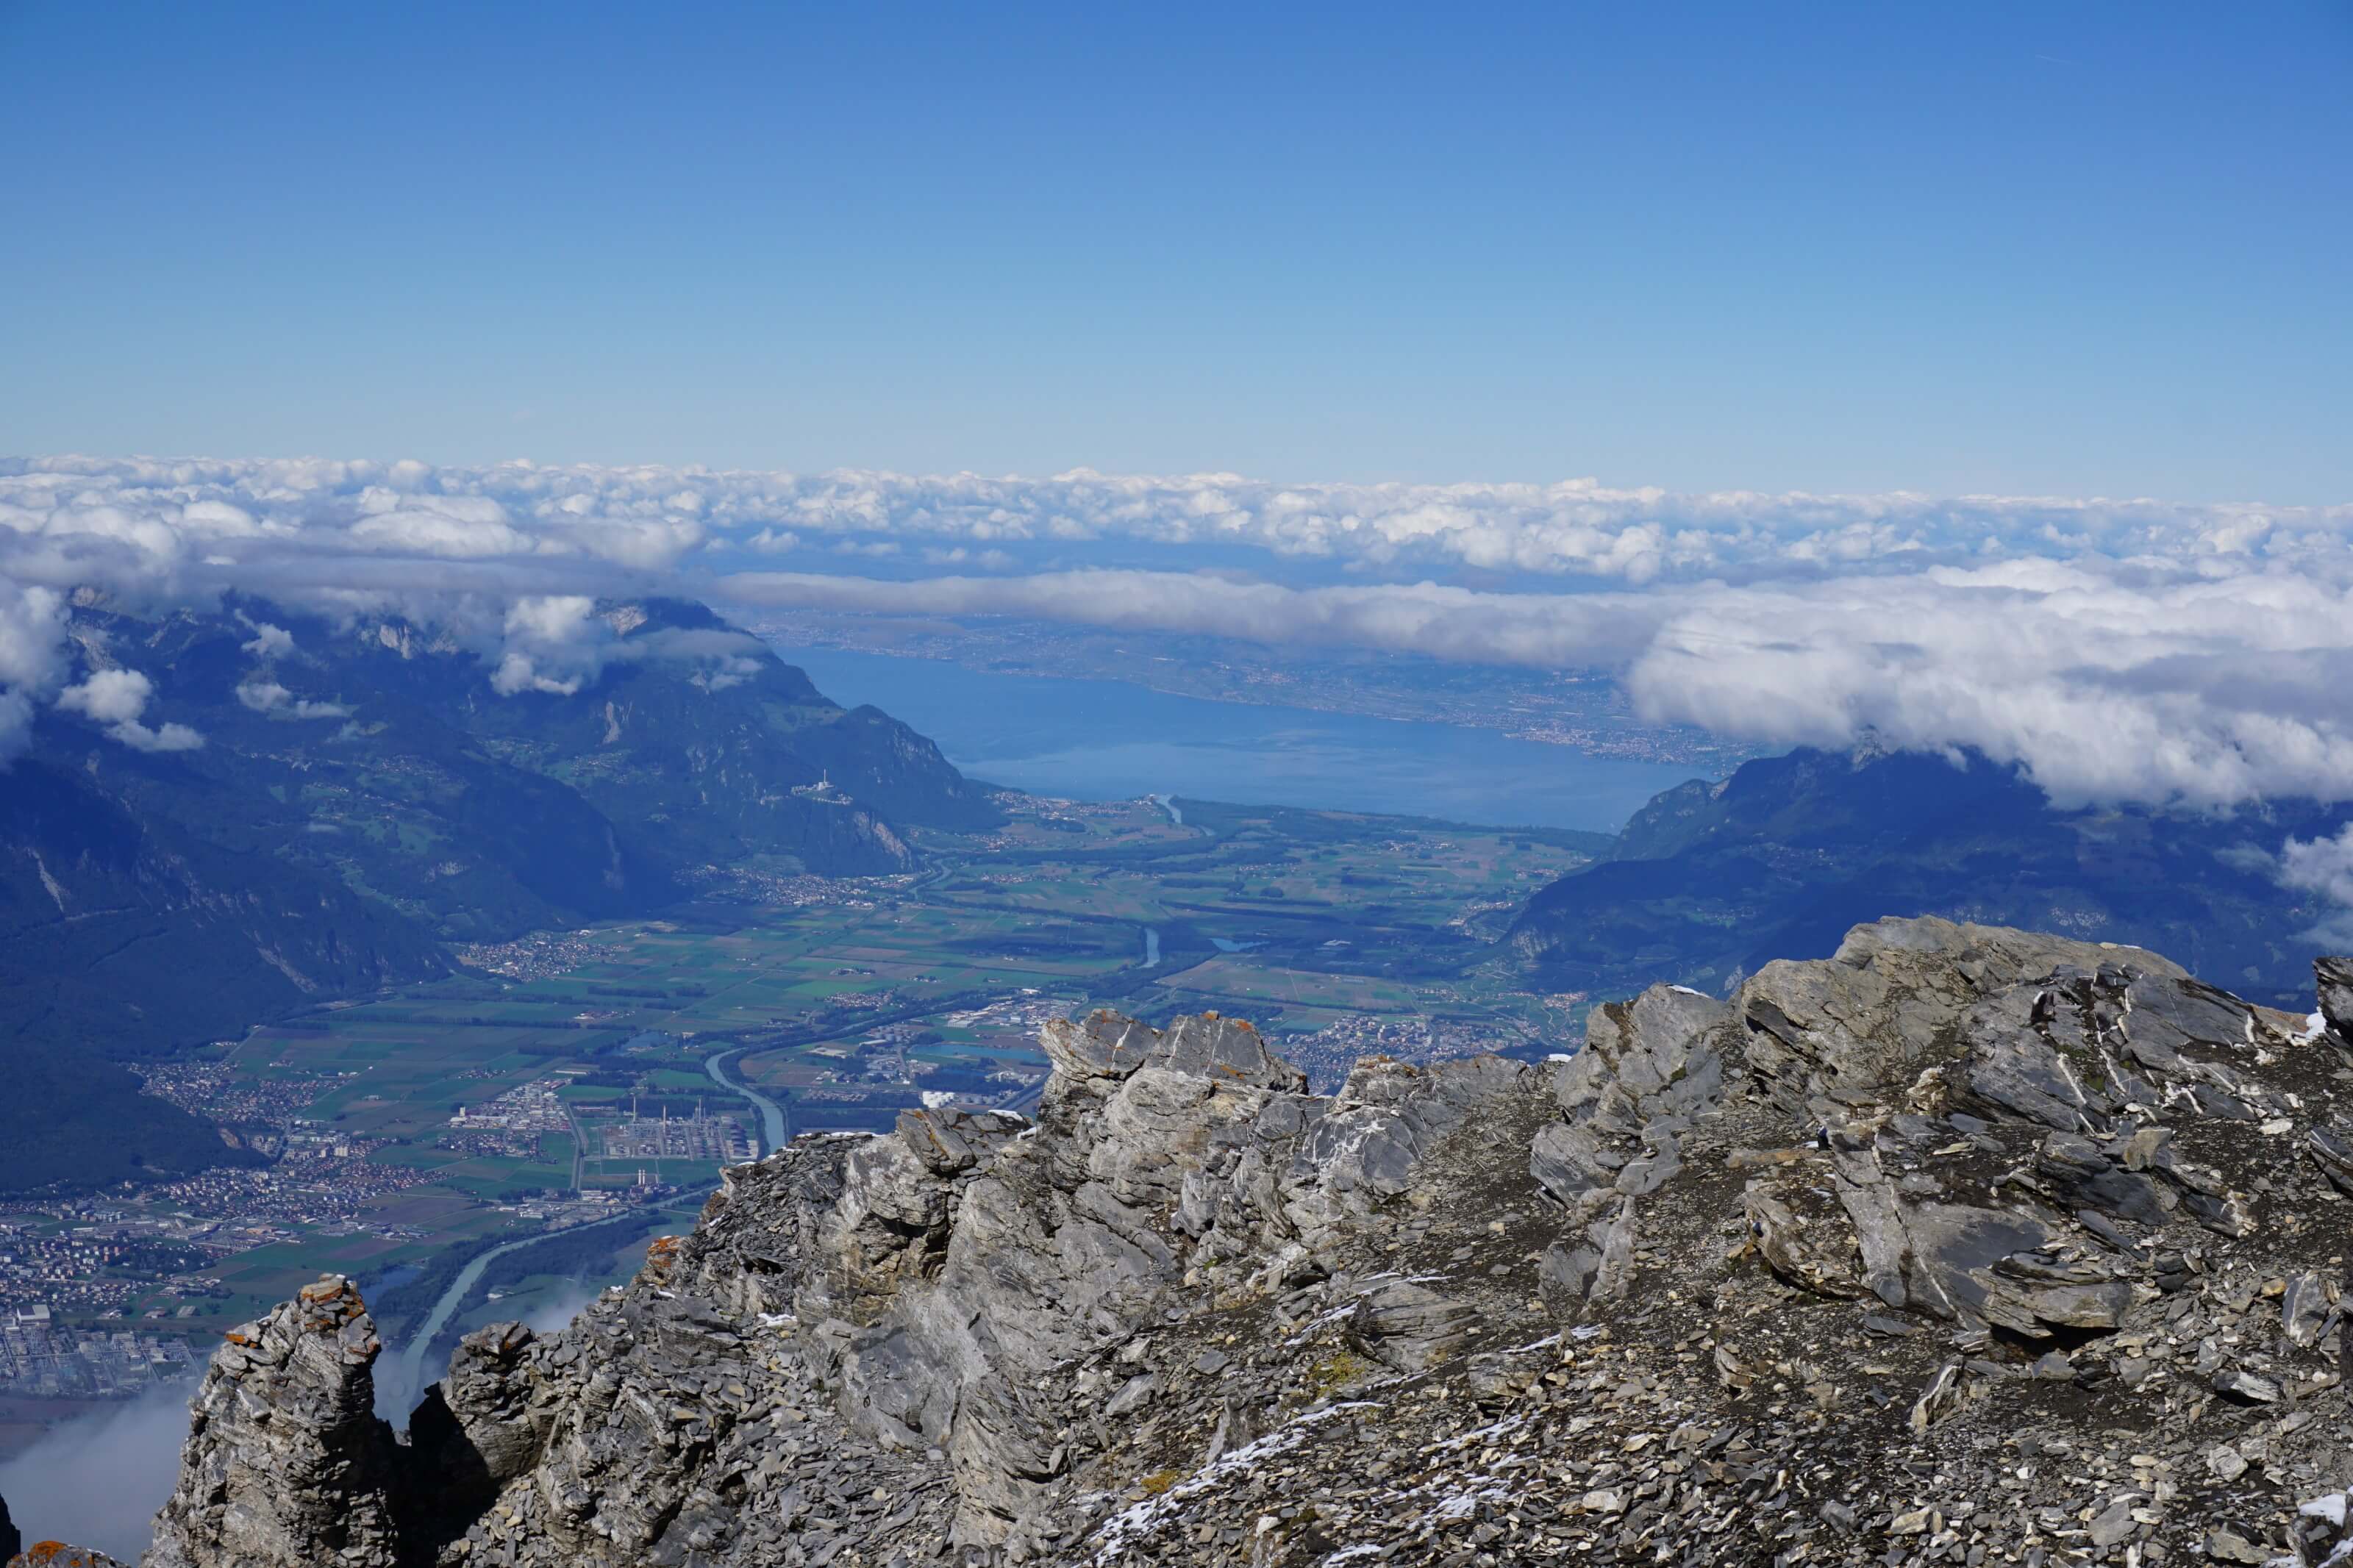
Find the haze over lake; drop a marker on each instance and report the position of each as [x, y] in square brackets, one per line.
[1107, 740]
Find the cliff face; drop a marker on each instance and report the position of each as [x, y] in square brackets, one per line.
[1964, 1245]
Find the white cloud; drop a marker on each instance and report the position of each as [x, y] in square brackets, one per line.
[553, 642]
[98, 1479]
[169, 738]
[268, 696]
[109, 696]
[1543, 629]
[2119, 649]
[32, 637]
[269, 641]
[2210, 689]
[171, 517]
[32, 660]
[2323, 865]
[116, 699]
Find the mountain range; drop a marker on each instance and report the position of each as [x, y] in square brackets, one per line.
[314, 808]
[368, 790]
[1710, 881]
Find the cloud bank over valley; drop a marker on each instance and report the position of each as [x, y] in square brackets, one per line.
[2121, 650]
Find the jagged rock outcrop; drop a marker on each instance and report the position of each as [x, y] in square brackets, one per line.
[2335, 977]
[286, 1464]
[11, 1543]
[1962, 1246]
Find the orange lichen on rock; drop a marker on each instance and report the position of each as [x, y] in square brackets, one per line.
[329, 1303]
[57, 1555]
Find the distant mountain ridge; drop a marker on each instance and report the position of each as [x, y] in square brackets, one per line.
[364, 793]
[1710, 881]
[487, 813]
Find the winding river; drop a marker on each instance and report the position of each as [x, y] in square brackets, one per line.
[398, 1394]
[772, 1115]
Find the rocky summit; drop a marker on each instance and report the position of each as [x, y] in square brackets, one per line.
[1963, 1246]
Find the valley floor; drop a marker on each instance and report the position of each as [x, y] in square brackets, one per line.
[568, 1077]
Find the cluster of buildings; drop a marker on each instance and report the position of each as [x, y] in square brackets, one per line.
[1023, 1015]
[511, 1125]
[772, 889]
[40, 1358]
[884, 1051]
[530, 1108]
[1644, 743]
[322, 1182]
[668, 1137]
[64, 1261]
[1326, 1054]
[84, 1259]
[861, 1001]
[219, 1094]
[539, 956]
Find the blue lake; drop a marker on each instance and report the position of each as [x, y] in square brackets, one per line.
[1106, 739]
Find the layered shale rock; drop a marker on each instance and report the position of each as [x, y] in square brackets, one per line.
[1962, 1246]
[286, 1463]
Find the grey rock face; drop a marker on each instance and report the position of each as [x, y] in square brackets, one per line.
[286, 1463]
[1963, 1246]
[1411, 1327]
[2335, 986]
[1888, 1000]
[474, 1432]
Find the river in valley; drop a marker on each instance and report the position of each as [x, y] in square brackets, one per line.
[772, 1125]
[401, 1380]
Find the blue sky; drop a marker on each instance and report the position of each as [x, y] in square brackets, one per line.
[2090, 249]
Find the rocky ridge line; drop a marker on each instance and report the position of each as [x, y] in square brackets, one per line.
[1966, 1245]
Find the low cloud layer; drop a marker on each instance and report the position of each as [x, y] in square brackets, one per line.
[97, 1480]
[2120, 650]
[175, 520]
[2213, 689]
[115, 699]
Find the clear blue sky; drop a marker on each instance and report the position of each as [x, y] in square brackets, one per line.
[2053, 248]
